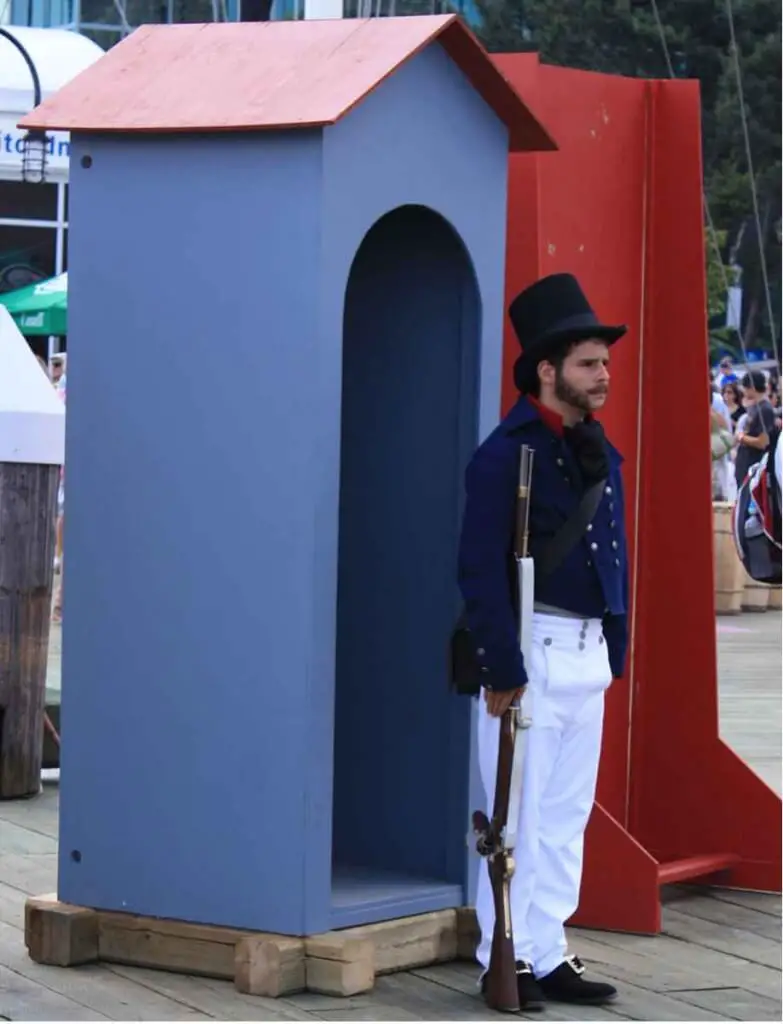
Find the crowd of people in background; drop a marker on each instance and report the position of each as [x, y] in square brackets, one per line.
[745, 417]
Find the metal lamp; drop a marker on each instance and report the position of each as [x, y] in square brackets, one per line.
[34, 143]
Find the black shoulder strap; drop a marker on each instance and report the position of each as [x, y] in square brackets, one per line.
[571, 530]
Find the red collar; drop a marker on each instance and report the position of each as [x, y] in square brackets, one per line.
[549, 417]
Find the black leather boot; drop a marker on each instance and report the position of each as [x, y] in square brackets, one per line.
[530, 995]
[567, 985]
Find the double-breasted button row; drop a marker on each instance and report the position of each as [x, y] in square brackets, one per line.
[612, 525]
[561, 464]
[583, 635]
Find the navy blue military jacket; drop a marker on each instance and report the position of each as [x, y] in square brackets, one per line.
[592, 579]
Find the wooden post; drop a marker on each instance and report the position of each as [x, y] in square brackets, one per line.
[729, 571]
[31, 452]
[755, 596]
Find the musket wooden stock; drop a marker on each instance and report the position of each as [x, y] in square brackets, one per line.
[501, 983]
[501, 990]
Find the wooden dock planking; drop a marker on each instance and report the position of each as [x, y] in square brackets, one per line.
[23, 999]
[718, 958]
[217, 999]
[749, 674]
[461, 977]
[767, 903]
[703, 906]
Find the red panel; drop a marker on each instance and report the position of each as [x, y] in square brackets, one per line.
[620, 880]
[690, 795]
[674, 335]
[620, 205]
[591, 221]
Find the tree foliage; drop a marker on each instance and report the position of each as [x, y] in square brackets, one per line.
[623, 37]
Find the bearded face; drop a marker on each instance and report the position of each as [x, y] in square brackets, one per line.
[582, 380]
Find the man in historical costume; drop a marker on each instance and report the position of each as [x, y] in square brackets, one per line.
[579, 634]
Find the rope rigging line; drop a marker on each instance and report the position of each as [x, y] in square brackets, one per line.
[754, 192]
[712, 231]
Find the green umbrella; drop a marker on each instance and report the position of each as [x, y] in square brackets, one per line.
[40, 308]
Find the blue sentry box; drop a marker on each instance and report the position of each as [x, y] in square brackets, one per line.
[284, 348]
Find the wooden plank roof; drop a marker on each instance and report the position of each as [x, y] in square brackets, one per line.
[241, 76]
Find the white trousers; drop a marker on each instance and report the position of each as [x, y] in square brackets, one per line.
[569, 673]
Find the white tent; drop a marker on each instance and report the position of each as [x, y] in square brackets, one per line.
[32, 417]
[59, 55]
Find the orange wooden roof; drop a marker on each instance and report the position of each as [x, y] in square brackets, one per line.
[242, 76]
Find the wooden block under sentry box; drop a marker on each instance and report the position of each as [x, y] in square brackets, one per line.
[468, 933]
[342, 963]
[269, 965]
[60, 934]
[339, 964]
[339, 977]
[409, 942]
[166, 945]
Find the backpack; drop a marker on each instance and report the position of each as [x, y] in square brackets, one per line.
[757, 518]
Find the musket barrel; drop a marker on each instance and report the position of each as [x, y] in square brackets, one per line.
[523, 500]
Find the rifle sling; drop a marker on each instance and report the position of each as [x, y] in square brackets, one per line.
[553, 553]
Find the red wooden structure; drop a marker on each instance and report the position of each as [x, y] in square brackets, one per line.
[620, 205]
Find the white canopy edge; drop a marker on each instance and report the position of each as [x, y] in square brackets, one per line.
[32, 416]
[59, 55]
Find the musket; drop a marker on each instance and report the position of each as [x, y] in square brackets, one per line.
[496, 839]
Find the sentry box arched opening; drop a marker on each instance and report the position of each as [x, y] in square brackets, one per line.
[409, 408]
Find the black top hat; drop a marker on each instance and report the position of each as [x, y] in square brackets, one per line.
[549, 313]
